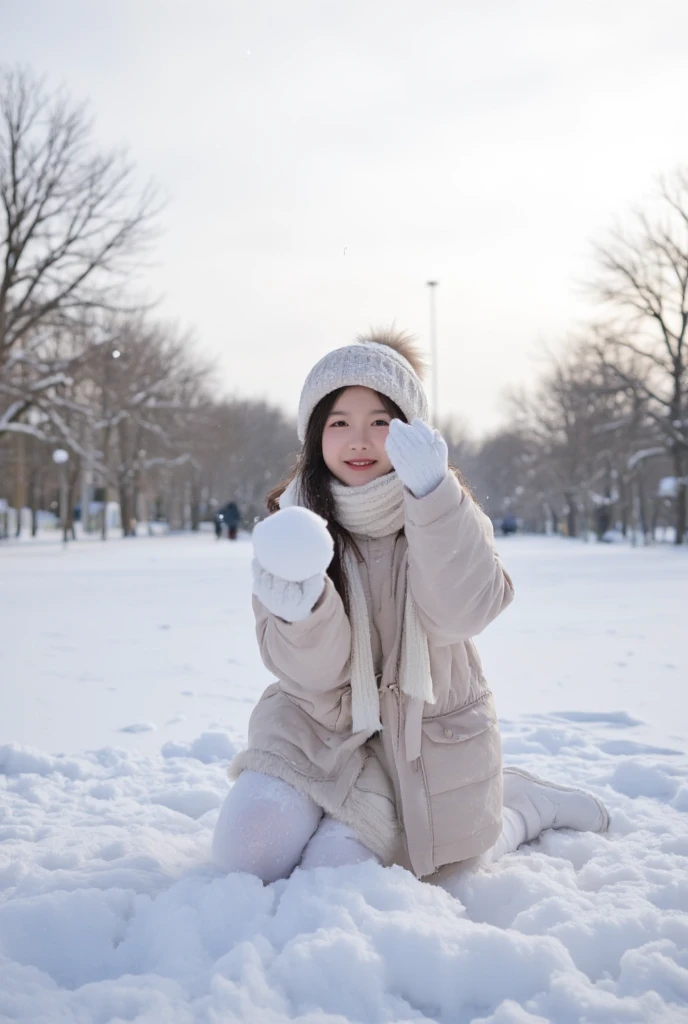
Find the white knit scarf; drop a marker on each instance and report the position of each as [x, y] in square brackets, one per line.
[375, 510]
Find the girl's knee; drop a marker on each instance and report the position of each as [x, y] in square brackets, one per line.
[335, 845]
[249, 842]
[247, 839]
[262, 830]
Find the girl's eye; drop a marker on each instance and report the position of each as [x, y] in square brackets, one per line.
[338, 423]
[381, 423]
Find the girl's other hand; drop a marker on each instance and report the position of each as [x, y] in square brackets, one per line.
[419, 454]
[292, 548]
[284, 598]
[294, 544]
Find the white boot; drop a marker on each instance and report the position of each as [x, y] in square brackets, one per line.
[544, 804]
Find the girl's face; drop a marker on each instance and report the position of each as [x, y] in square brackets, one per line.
[353, 440]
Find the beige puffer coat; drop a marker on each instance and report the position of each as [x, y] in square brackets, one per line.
[421, 811]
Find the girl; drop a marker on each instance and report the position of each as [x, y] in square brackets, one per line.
[380, 738]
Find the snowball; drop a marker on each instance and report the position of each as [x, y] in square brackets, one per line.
[293, 544]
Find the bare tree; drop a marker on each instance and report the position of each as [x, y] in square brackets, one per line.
[503, 476]
[72, 220]
[570, 444]
[560, 423]
[232, 449]
[643, 279]
[260, 446]
[143, 387]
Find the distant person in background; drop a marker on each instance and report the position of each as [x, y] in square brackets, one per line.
[509, 525]
[229, 516]
[233, 520]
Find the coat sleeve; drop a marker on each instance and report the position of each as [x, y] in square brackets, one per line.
[312, 654]
[455, 575]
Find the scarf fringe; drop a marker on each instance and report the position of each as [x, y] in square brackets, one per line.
[365, 698]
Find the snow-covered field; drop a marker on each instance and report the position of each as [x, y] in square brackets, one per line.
[128, 672]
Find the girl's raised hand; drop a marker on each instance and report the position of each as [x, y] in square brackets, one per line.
[419, 455]
[292, 549]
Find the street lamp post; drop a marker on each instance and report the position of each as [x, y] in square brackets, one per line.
[86, 482]
[60, 458]
[114, 353]
[432, 285]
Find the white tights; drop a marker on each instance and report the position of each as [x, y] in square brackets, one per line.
[267, 828]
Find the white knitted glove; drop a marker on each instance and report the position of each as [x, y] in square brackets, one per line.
[292, 548]
[419, 455]
[284, 598]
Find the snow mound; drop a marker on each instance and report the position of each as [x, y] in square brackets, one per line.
[112, 910]
[207, 748]
[139, 727]
[16, 759]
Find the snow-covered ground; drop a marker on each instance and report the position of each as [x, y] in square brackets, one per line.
[128, 671]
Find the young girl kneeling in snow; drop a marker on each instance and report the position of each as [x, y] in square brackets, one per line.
[380, 739]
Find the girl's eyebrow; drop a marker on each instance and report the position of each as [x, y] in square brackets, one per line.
[374, 412]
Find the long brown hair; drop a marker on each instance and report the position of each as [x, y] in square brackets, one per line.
[315, 482]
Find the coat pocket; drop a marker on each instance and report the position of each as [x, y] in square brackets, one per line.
[461, 747]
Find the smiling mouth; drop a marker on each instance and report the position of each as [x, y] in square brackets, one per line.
[361, 463]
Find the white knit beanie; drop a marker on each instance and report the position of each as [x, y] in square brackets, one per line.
[367, 364]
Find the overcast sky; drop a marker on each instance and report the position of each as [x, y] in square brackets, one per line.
[324, 158]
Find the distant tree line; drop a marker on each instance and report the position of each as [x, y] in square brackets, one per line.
[600, 442]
